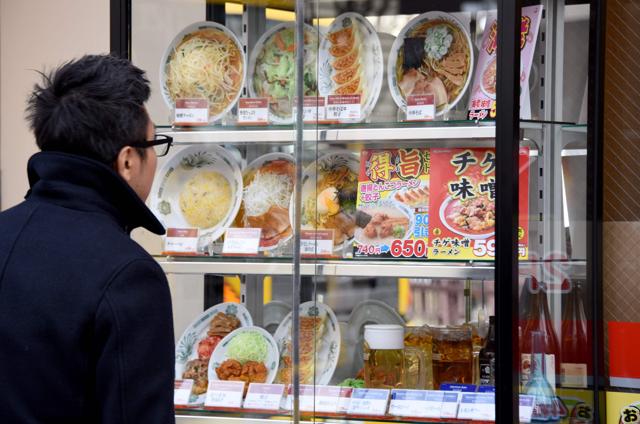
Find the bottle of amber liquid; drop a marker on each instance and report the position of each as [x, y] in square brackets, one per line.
[487, 358]
[538, 319]
[576, 363]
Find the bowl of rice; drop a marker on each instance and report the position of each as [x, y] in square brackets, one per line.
[198, 187]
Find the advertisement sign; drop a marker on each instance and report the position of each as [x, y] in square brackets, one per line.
[462, 204]
[392, 217]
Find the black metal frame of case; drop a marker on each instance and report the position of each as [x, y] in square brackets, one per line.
[120, 28]
[507, 176]
[595, 139]
[507, 147]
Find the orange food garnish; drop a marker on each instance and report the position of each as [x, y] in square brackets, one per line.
[349, 88]
[342, 36]
[346, 61]
[347, 75]
[340, 50]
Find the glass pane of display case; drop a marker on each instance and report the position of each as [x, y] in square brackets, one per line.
[555, 295]
[398, 193]
[224, 193]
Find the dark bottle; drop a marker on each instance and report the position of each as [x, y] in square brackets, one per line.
[487, 356]
[576, 355]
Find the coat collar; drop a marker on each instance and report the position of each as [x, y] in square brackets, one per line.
[80, 183]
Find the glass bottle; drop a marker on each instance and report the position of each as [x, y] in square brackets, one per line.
[538, 319]
[576, 364]
[487, 357]
[546, 406]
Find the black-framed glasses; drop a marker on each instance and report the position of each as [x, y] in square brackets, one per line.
[161, 144]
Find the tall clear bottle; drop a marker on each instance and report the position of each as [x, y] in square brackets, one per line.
[546, 405]
[538, 319]
[575, 366]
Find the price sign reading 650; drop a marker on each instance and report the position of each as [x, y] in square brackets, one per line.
[408, 248]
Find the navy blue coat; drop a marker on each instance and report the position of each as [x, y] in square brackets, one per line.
[86, 331]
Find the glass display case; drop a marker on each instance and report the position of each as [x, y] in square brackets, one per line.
[355, 231]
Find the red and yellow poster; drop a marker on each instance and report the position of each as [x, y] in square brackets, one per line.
[462, 205]
[393, 203]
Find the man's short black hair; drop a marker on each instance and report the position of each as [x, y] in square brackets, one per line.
[92, 106]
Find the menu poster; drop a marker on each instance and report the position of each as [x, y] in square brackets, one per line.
[482, 102]
[392, 216]
[462, 204]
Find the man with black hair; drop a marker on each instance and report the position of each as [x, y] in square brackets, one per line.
[86, 332]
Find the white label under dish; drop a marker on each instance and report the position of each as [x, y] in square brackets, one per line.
[224, 394]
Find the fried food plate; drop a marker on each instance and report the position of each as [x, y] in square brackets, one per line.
[275, 222]
[187, 346]
[327, 348]
[175, 174]
[221, 353]
[394, 211]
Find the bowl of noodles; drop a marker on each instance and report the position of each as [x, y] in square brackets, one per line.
[433, 54]
[204, 61]
[198, 187]
[329, 192]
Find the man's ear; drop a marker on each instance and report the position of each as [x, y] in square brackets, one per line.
[126, 162]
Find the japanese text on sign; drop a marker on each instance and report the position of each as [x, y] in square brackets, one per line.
[253, 111]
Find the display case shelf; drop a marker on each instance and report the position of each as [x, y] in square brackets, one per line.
[441, 130]
[359, 268]
[184, 417]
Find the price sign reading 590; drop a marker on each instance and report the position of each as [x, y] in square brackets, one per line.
[483, 248]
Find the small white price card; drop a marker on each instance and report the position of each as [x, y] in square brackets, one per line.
[344, 108]
[316, 243]
[241, 241]
[450, 402]
[182, 391]
[224, 394]
[345, 399]
[191, 112]
[316, 398]
[181, 241]
[368, 402]
[253, 111]
[477, 406]
[421, 107]
[313, 109]
[327, 399]
[416, 403]
[264, 396]
[526, 408]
